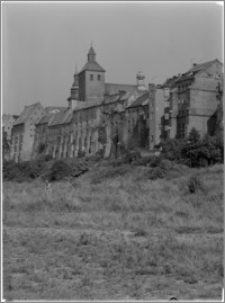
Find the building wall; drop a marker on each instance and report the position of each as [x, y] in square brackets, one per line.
[194, 103]
[137, 128]
[91, 89]
[95, 88]
[8, 121]
[108, 129]
[24, 134]
[40, 138]
[156, 114]
[17, 142]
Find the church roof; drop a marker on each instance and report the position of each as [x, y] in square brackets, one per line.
[92, 66]
[63, 117]
[45, 119]
[54, 109]
[140, 101]
[26, 113]
[91, 51]
[114, 88]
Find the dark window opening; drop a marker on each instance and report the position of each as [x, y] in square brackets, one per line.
[99, 77]
[91, 77]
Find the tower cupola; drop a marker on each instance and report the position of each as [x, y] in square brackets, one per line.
[74, 91]
[140, 81]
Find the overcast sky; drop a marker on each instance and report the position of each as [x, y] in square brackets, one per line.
[43, 42]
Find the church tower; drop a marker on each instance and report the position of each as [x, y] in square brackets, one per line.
[91, 79]
[74, 92]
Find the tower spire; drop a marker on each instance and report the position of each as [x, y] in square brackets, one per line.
[91, 54]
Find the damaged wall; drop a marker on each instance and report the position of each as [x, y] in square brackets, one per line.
[108, 129]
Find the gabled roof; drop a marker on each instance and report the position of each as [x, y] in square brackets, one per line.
[114, 88]
[54, 109]
[45, 119]
[202, 66]
[63, 117]
[87, 104]
[189, 75]
[92, 66]
[140, 101]
[169, 82]
[26, 113]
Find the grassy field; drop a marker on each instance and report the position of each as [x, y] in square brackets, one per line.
[115, 235]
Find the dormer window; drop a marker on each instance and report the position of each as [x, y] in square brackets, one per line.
[99, 77]
[91, 77]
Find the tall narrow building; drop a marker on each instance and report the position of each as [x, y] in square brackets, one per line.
[91, 79]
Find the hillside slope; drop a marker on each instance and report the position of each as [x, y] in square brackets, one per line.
[115, 234]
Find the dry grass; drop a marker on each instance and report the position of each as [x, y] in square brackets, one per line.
[116, 236]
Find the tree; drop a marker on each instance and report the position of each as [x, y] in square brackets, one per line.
[194, 136]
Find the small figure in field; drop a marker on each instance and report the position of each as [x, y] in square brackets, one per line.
[173, 299]
[48, 188]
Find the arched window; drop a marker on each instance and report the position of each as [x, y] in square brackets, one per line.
[91, 77]
[99, 77]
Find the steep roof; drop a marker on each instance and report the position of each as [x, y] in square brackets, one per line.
[170, 82]
[54, 109]
[45, 119]
[92, 66]
[189, 75]
[140, 101]
[87, 104]
[63, 117]
[5, 119]
[114, 88]
[91, 51]
[26, 113]
[202, 66]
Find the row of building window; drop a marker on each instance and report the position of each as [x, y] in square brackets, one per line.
[182, 101]
[184, 86]
[92, 77]
[181, 130]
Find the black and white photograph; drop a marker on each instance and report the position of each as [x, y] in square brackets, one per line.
[112, 151]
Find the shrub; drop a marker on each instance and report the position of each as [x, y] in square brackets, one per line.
[41, 148]
[48, 157]
[21, 171]
[110, 172]
[194, 136]
[131, 156]
[59, 170]
[172, 149]
[156, 173]
[194, 184]
[165, 164]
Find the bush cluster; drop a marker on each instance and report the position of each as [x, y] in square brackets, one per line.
[22, 171]
[194, 151]
[194, 184]
[44, 167]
